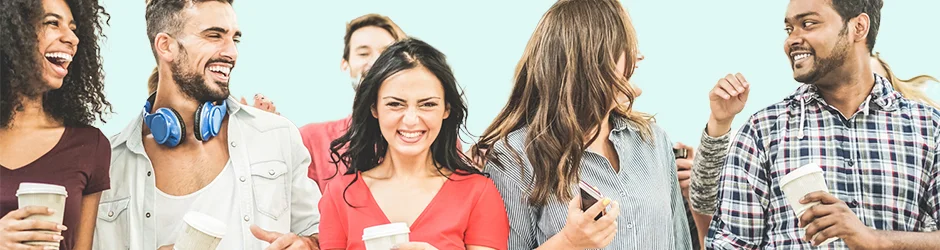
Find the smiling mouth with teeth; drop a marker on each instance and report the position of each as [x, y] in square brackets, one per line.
[58, 58]
[223, 70]
[799, 57]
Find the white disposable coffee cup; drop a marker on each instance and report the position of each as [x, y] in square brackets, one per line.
[202, 232]
[43, 195]
[384, 237]
[800, 182]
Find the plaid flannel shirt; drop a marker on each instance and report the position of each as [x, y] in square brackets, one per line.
[881, 161]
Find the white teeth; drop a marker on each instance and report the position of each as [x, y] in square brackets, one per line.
[220, 69]
[410, 134]
[64, 56]
[800, 57]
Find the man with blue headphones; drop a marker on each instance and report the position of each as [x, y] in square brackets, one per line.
[194, 148]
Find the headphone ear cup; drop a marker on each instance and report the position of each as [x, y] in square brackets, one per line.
[182, 124]
[166, 127]
[197, 122]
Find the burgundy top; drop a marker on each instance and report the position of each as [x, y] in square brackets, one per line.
[80, 161]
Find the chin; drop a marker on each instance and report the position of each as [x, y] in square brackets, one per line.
[410, 150]
[53, 83]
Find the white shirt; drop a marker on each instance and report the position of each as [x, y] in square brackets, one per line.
[215, 200]
[272, 188]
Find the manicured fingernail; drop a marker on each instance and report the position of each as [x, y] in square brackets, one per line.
[57, 237]
[606, 201]
[51, 211]
[62, 227]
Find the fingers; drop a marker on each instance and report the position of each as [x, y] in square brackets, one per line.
[574, 206]
[27, 211]
[720, 91]
[21, 246]
[28, 225]
[408, 246]
[613, 212]
[819, 225]
[243, 101]
[284, 242]
[684, 174]
[744, 83]
[263, 235]
[684, 184]
[595, 209]
[815, 212]
[829, 232]
[820, 196]
[22, 236]
[684, 165]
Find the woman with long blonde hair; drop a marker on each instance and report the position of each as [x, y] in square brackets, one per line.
[570, 120]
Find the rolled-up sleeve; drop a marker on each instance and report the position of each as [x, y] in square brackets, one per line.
[739, 220]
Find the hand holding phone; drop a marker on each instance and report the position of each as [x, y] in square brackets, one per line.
[589, 196]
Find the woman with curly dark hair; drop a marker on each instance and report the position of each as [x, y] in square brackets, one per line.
[51, 91]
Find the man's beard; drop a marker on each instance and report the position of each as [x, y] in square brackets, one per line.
[822, 66]
[193, 84]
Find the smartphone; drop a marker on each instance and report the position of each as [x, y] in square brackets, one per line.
[589, 196]
[681, 153]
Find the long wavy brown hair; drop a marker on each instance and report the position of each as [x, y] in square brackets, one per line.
[565, 85]
[910, 88]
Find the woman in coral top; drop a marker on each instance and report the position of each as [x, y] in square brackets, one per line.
[404, 165]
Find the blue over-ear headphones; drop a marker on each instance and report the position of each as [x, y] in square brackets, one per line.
[167, 127]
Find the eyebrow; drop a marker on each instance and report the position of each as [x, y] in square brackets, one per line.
[57, 16]
[222, 30]
[403, 100]
[801, 16]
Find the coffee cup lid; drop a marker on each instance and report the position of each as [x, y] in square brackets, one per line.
[800, 172]
[205, 223]
[40, 188]
[385, 230]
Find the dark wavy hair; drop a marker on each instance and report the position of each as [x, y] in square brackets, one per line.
[81, 100]
[364, 144]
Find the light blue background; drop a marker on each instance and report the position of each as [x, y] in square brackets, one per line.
[291, 52]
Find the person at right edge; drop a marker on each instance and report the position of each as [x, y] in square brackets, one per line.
[877, 148]
[569, 119]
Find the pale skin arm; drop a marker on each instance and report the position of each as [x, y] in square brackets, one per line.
[86, 229]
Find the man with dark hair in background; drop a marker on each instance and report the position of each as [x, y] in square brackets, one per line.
[878, 150]
[366, 37]
[195, 150]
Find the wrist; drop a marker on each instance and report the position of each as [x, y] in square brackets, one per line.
[718, 126]
[564, 241]
[881, 240]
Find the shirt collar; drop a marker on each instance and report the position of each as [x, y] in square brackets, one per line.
[882, 94]
[132, 134]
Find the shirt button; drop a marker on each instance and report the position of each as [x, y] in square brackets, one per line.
[622, 193]
[271, 172]
[851, 162]
[110, 213]
[246, 218]
[853, 204]
[149, 173]
[242, 179]
[147, 214]
[630, 225]
[234, 144]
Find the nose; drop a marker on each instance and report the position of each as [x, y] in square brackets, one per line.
[230, 51]
[793, 40]
[70, 38]
[411, 116]
[640, 56]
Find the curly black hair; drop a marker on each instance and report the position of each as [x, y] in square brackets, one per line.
[81, 100]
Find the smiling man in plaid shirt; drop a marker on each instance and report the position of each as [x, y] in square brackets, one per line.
[878, 150]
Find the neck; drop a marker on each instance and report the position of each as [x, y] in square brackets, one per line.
[397, 165]
[603, 133]
[32, 115]
[847, 90]
[169, 96]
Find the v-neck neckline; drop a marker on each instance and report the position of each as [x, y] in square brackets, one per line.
[420, 217]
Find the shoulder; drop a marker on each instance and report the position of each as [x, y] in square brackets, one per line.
[327, 129]
[262, 121]
[89, 134]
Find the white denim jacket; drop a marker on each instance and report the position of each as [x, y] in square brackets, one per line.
[273, 190]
